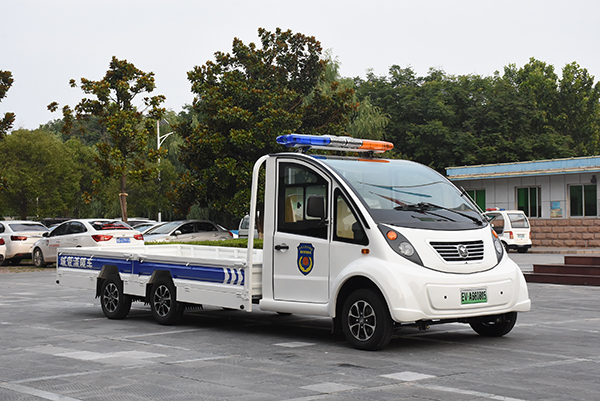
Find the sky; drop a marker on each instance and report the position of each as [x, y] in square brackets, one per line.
[45, 43]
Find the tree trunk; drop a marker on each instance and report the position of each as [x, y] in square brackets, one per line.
[123, 200]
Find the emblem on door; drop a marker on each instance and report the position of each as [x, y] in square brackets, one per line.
[306, 259]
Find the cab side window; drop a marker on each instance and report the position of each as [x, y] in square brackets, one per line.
[203, 227]
[76, 227]
[63, 229]
[347, 228]
[187, 228]
[296, 185]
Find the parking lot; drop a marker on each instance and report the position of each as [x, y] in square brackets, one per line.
[57, 345]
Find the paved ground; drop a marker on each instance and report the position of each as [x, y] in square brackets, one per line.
[55, 344]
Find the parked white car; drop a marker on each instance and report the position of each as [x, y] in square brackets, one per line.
[84, 232]
[2, 249]
[512, 227]
[19, 237]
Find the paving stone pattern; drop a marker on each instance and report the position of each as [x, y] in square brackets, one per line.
[55, 344]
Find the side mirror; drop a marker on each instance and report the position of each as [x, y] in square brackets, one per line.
[46, 234]
[177, 233]
[315, 207]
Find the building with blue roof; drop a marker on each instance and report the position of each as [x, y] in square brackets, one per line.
[559, 196]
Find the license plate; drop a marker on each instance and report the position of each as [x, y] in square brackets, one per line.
[520, 235]
[473, 296]
[123, 240]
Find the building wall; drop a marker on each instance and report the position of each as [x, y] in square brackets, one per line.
[580, 233]
[546, 230]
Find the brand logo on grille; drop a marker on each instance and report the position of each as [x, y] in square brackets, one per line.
[463, 251]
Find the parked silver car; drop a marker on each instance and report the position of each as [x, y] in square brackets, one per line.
[19, 237]
[187, 230]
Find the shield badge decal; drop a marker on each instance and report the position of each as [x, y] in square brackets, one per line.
[306, 259]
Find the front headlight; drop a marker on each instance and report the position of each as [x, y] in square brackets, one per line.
[497, 245]
[400, 244]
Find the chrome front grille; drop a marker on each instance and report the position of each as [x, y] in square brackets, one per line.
[459, 251]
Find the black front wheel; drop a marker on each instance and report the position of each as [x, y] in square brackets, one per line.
[366, 320]
[115, 304]
[38, 258]
[164, 305]
[497, 326]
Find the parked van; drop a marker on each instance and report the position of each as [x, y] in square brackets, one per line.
[244, 226]
[512, 227]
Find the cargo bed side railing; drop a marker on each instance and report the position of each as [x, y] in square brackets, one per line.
[253, 205]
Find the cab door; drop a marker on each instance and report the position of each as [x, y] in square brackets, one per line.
[301, 237]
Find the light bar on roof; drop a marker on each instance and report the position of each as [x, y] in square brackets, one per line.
[329, 142]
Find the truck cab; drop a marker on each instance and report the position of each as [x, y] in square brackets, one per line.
[378, 243]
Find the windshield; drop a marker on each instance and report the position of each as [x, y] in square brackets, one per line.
[408, 194]
[19, 227]
[100, 225]
[164, 228]
[518, 220]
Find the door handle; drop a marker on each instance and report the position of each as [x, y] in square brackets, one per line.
[282, 247]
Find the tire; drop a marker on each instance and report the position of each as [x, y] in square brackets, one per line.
[115, 304]
[503, 326]
[38, 258]
[366, 320]
[14, 261]
[163, 302]
[522, 249]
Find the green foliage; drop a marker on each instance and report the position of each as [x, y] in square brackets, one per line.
[42, 174]
[6, 81]
[124, 151]
[244, 100]
[527, 113]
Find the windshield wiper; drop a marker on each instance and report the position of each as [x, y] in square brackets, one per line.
[426, 206]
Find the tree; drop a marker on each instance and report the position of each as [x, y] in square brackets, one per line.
[125, 153]
[6, 81]
[6, 123]
[444, 120]
[579, 114]
[244, 100]
[43, 178]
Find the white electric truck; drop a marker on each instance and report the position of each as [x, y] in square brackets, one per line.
[374, 244]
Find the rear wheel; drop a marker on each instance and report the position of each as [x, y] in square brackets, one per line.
[164, 305]
[501, 325]
[14, 261]
[115, 304]
[38, 258]
[366, 320]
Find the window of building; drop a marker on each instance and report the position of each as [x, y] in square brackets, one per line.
[583, 200]
[478, 196]
[528, 200]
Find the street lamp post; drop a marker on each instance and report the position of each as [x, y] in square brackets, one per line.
[159, 140]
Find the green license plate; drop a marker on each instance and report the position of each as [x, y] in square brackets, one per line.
[473, 296]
